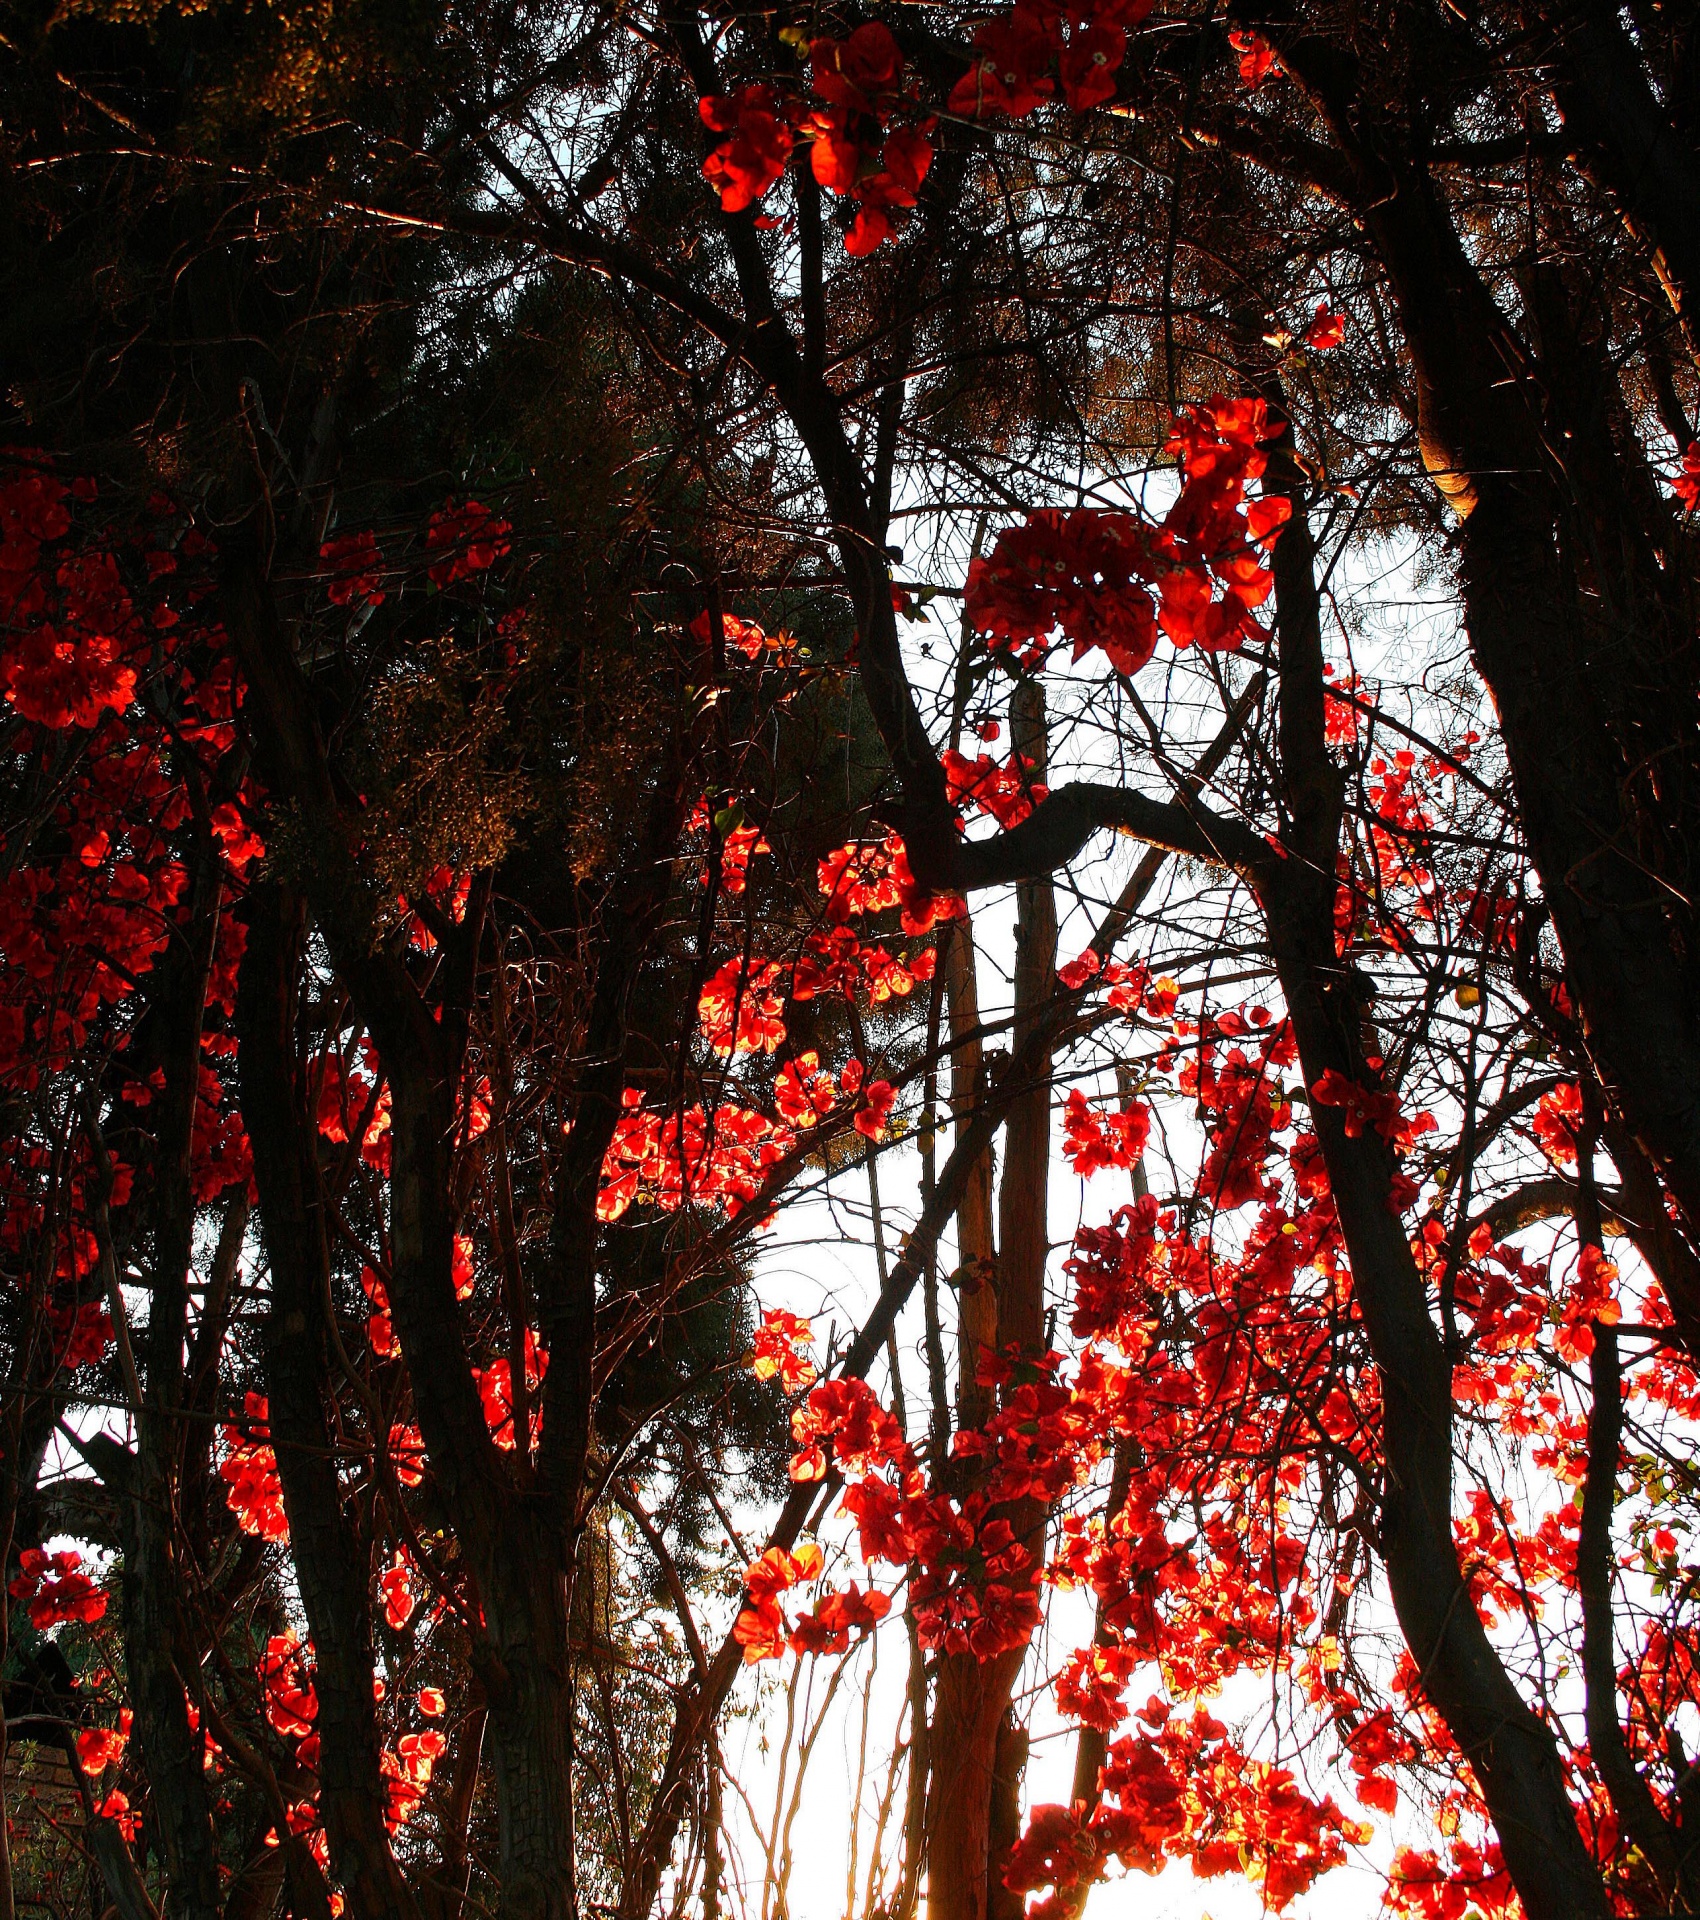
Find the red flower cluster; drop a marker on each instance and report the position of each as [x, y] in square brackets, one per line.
[745, 637]
[1419, 1885]
[977, 1585]
[495, 1390]
[1184, 1791]
[1093, 1141]
[1026, 54]
[355, 1099]
[670, 1160]
[380, 1330]
[1326, 330]
[408, 1773]
[469, 539]
[101, 1747]
[1365, 1107]
[745, 165]
[1590, 1300]
[762, 1629]
[854, 152]
[1004, 791]
[835, 961]
[739, 1010]
[354, 569]
[83, 1333]
[406, 1449]
[781, 1351]
[70, 625]
[55, 1589]
[1109, 580]
[875, 877]
[1557, 1122]
[1257, 56]
[738, 846]
[1244, 1106]
[253, 1491]
[397, 1589]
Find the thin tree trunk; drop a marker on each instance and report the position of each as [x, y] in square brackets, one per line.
[146, 1483]
[964, 1870]
[331, 1553]
[1631, 1798]
[1512, 1753]
[976, 1251]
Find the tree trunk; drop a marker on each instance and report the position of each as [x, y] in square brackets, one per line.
[1602, 89]
[530, 1730]
[964, 1875]
[970, 1699]
[976, 1252]
[1513, 1755]
[331, 1553]
[147, 1483]
[1584, 715]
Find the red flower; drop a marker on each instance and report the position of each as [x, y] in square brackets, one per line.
[1011, 76]
[862, 73]
[846, 1412]
[776, 1345]
[54, 1588]
[878, 1097]
[1093, 1141]
[1091, 573]
[399, 1597]
[836, 156]
[354, 565]
[1327, 330]
[828, 1628]
[253, 1491]
[286, 1687]
[742, 168]
[64, 680]
[495, 1390]
[1089, 63]
[470, 538]
[101, 1747]
[739, 1010]
[1686, 485]
[760, 1631]
[1257, 56]
[406, 1449]
[117, 1809]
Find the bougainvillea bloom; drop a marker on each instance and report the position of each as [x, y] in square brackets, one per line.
[1327, 330]
[743, 167]
[55, 1589]
[249, 1470]
[470, 539]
